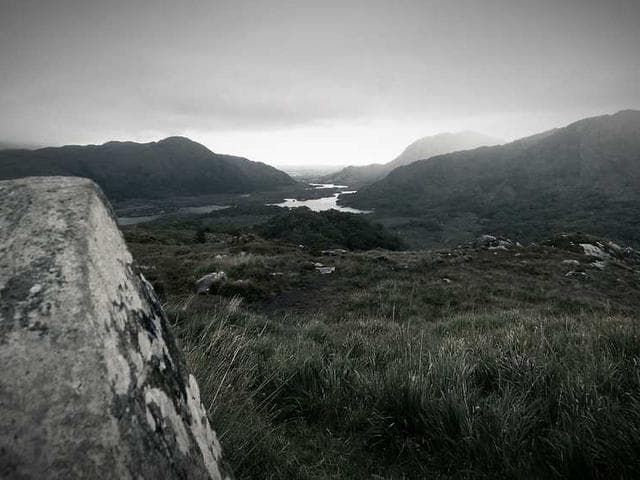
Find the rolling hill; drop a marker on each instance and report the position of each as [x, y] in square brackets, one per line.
[585, 176]
[175, 166]
[422, 148]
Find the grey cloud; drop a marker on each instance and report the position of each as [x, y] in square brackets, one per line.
[73, 70]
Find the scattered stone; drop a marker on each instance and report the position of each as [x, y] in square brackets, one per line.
[616, 249]
[575, 273]
[325, 270]
[334, 252]
[594, 247]
[596, 251]
[484, 240]
[570, 262]
[204, 284]
[491, 242]
[243, 238]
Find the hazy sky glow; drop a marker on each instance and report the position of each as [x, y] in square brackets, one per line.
[293, 82]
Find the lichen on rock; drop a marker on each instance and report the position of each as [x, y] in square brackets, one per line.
[93, 384]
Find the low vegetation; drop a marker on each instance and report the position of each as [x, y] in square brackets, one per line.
[476, 362]
[328, 229]
[507, 394]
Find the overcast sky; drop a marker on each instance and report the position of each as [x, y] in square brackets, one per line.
[310, 82]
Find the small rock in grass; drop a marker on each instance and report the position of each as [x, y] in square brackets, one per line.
[325, 270]
[574, 273]
[570, 262]
[204, 284]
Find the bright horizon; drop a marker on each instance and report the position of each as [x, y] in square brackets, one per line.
[358, 144]
[366, 143]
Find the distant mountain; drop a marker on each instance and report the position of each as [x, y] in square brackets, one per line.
[419, 150]
[175, 166]
[585, 176]
[11, 145]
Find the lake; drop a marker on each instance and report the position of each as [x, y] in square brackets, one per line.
[317, 205]
[321, 204]
[320, 186]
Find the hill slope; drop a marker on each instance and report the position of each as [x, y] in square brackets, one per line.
[585, 176]
[421, 149]
[466, 363]
[175, 166]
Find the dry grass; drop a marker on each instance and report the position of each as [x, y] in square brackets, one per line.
[506, 394]
[385, 370]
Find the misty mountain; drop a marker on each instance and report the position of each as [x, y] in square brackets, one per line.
[12, 145]
[175, 166]
[585, 176]
[421, 149]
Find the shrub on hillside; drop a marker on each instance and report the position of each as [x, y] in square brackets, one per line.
[328, 229]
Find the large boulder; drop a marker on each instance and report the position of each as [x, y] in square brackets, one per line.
[92, 384]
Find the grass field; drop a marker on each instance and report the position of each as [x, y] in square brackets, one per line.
[464, 363]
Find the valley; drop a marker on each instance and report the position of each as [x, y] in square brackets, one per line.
[468, 315]
[582, 177]
[320, 240]
[315, 196]
[406, 364]
[419, 339]
[323, 203]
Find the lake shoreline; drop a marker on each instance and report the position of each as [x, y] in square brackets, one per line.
[316, 196]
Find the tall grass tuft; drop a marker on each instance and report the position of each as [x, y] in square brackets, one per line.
[508, 394]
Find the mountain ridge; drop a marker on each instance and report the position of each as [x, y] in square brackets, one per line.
[420, 149]
[174, 166]
[584, 175]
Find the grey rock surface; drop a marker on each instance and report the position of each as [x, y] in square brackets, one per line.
[92, 384]
[204, 284]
